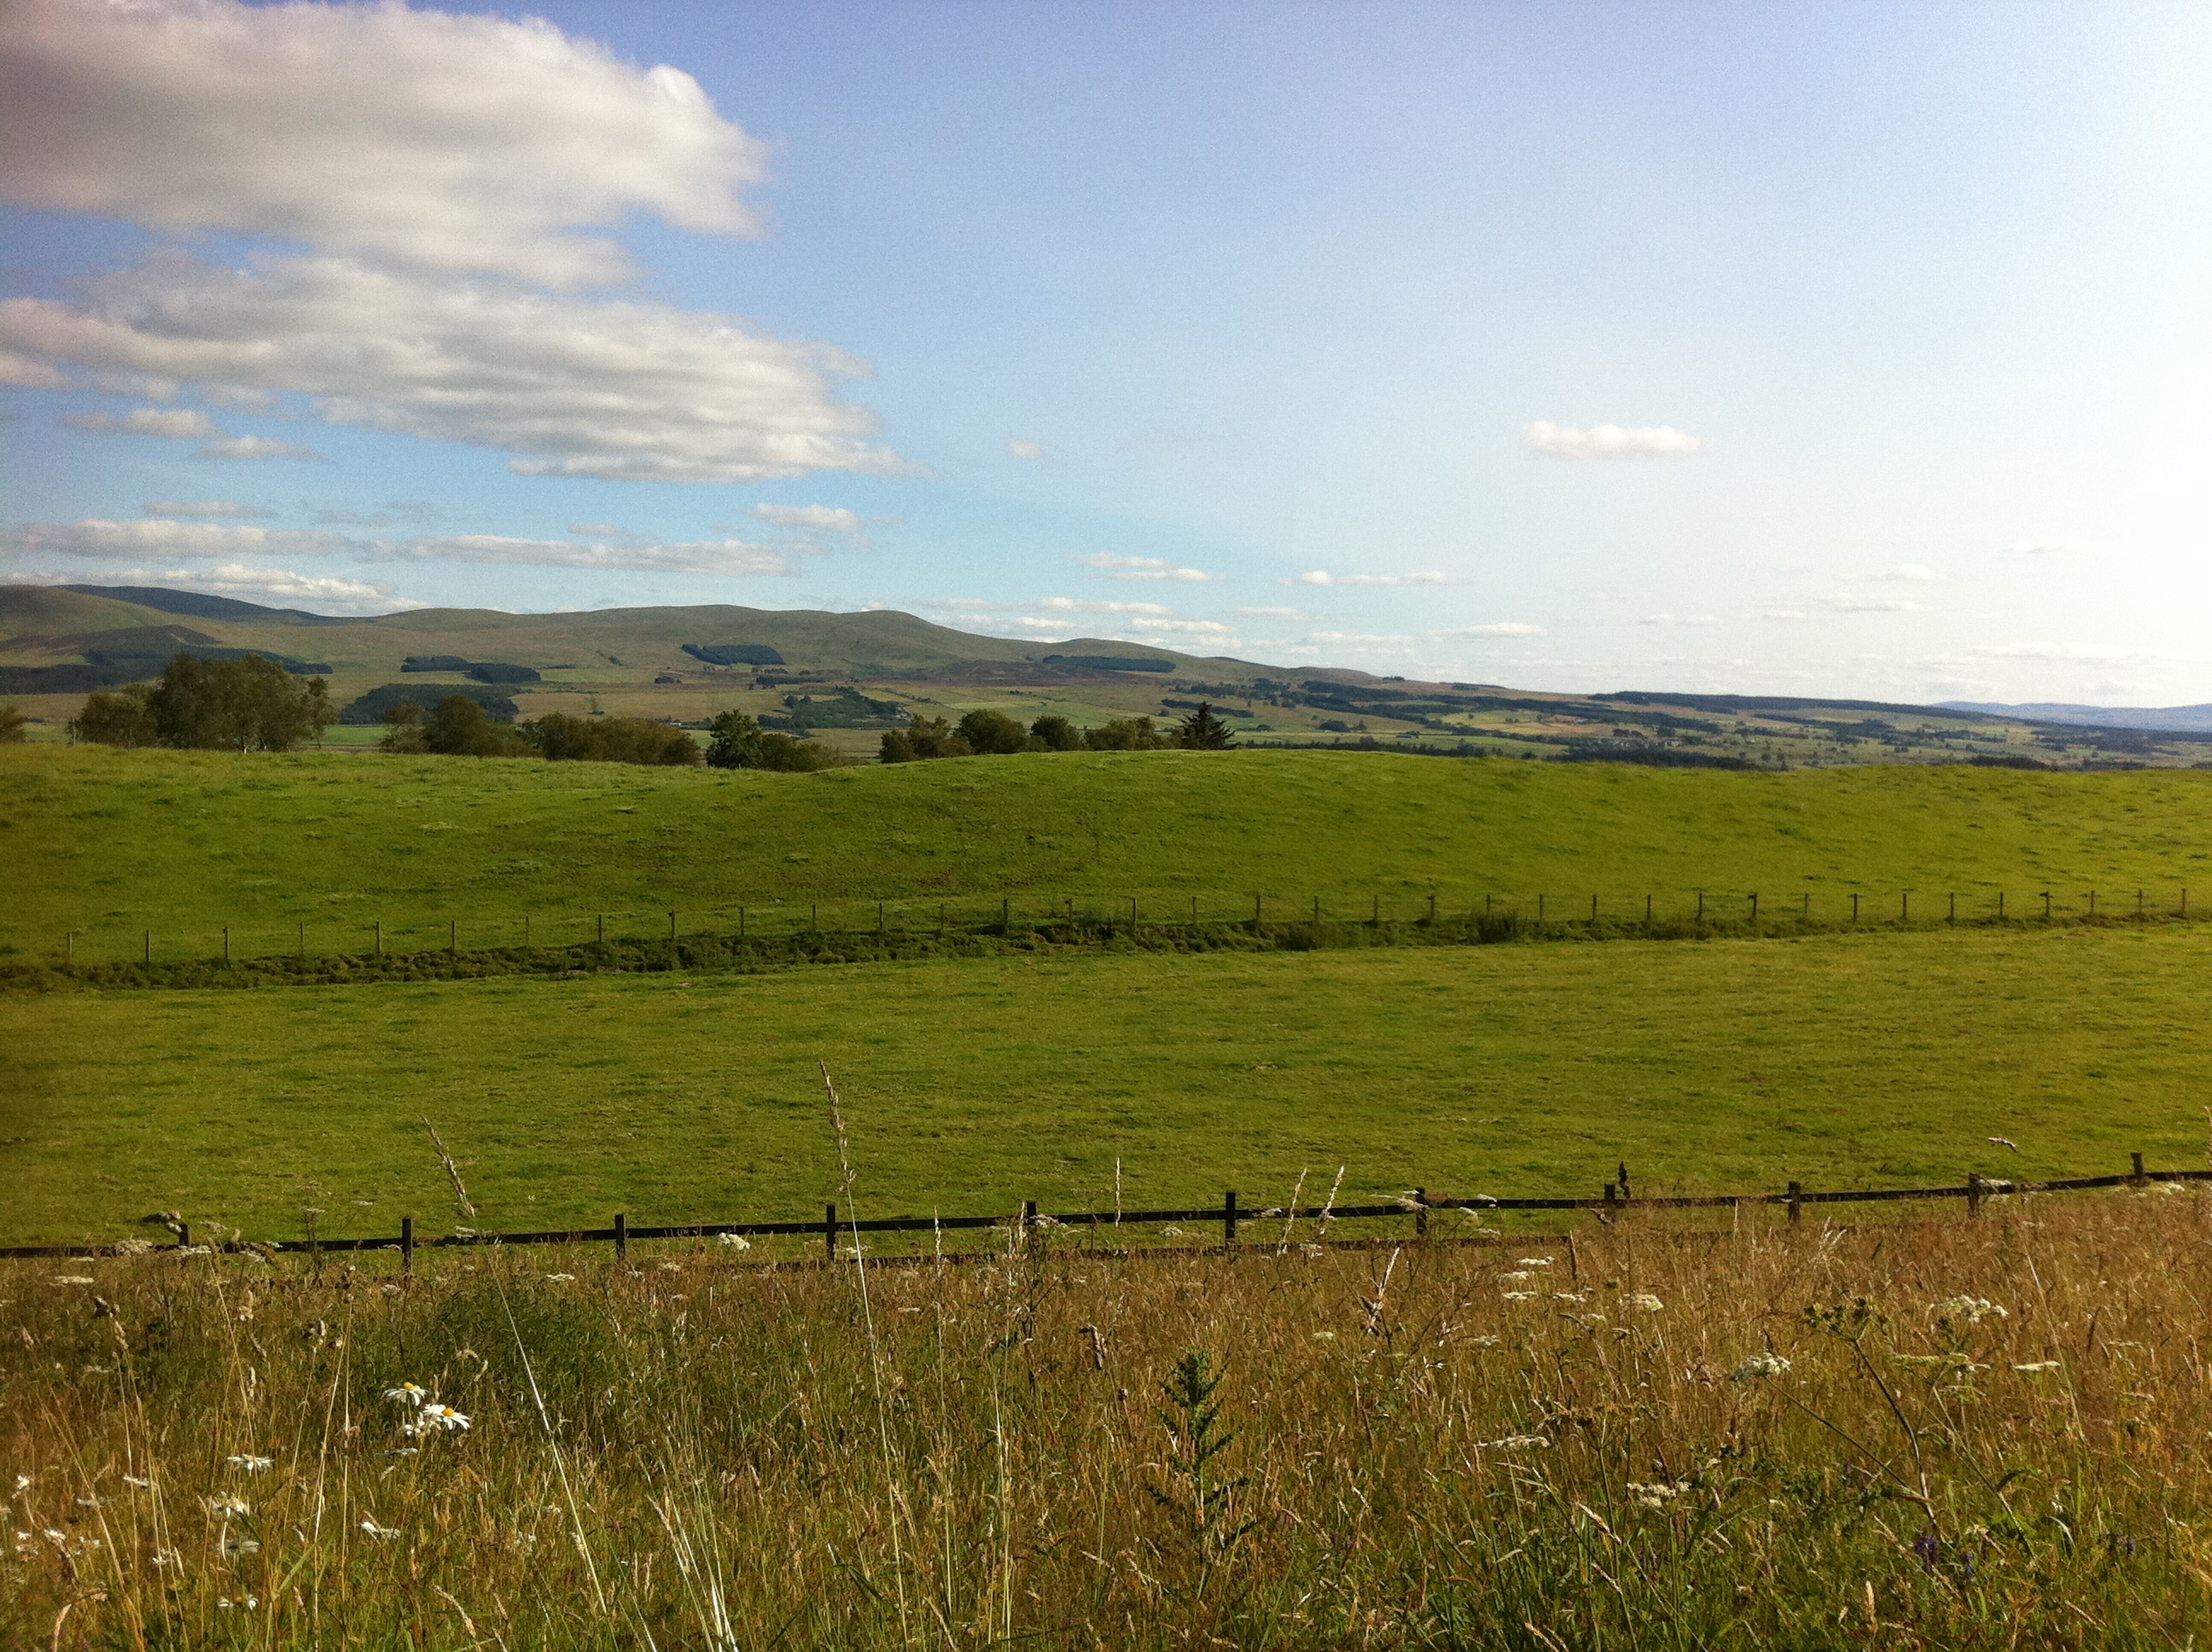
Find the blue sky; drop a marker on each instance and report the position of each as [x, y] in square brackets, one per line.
[1854, 349]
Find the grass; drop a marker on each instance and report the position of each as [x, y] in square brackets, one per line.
[1961, 1436]
[1836, 1060]
[110, 844]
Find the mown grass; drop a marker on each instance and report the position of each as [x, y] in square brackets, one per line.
[110, 843]
[1836, 1060]
[1956, 1435]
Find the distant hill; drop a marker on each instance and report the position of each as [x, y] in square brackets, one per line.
[2164, 719]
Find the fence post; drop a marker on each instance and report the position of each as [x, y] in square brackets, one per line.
[526, 941]
[1647, 911]
[1796, 1203]
[1905, 907]
[2138, 1178]
[1256, 910]
[149, 946]
[1228, 1217]
[1432, 911]
[1029, 1223]
[72, 957]
[621, 1236]
[226, 943]
[1593, 908]
[1754, 906]
[1005, 914]
[2046, 905]
[830, 1232]
[406, 1244]
[1540, 909]
[1952, 916]
[1377, 919]
[184, 1236]
[603, 929]
[1611, 1195]
[741, 923]
[2000, 906]
[1316, 910]
[1973, 1192]
[1132, 912]
[379, 937]
[879, 917]
[672, 925]
[1625, 1192]
[1421, 1216]
[815, 907]
[452, 935]
[303, 940]
[1855, 907]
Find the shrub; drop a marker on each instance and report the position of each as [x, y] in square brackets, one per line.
[1126, 734]
[741, 743]
[460, 728]
[564, 736]
[12, 724]
[993, 733]
[1056, 734]
[924, 738]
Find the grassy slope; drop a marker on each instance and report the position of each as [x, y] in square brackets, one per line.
[110, 842]
[1838, 1060]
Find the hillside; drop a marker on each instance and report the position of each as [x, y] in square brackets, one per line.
[110, 843]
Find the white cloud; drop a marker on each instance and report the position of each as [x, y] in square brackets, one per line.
[1783, 613]
[1610, 441]
[730, 557]
[602, 531]
[2063, 653]
[1018, 448]
[1847, 603]
[1502, 628]
[1051, 605]
[1909, 573]
[182, 422]
[1185, 627]
[94, 537]
[201, 508]
[26, 374]
[1269, 613]
[2053, 548]
[832, 519]
[1679, 619]
[275, 584]
[455, 143]
[1143, 567]
[257, 447]
[1320, 576]
[630, 391]
[1353, 636]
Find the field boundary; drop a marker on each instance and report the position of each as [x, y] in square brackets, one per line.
[738, 949]
[1029, 1222]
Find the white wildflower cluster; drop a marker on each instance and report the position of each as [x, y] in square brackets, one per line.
[73, 1279]
[1570, 1296]
[1516, 1443]
[244, 1603]
[1973, 1309]
[1659, 1494]
[131, 1246]
[250, 1463]
[377, 1531]
[1532, 1261]
[734, 1242]
[1515, 1278]
[227, 1507]
[1644, 1299]
[2035, 1365]
[428, 1416]
[1754, 1367]
[561, 1279]
[1518, 1296]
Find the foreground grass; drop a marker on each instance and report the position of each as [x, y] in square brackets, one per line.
[1971, 1435]
[1835, 1060]
[110, 844]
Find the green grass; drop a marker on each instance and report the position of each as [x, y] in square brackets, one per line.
[1836, 1060]
[111, 843]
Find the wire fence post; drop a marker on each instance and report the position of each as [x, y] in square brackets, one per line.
[1432, 910]
[1421, 1216]
[1796, 1203]
[1973, 1192]
[672, 925]
[406, 1244]
[1754, 906]
[829, 1233]
[452, 935]
[1228, 1217]
[2137, 1176]
[1029, 1223]
[2046, 906]
[226, 943]
[379, 937]
[621, 1236]
[1612, 1196]
[69, 956]
[149, 946]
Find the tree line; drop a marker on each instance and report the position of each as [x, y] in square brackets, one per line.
[248, 704]
[459, 727]
[993, 733]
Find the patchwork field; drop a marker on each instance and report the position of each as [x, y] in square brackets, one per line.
[968, 1086]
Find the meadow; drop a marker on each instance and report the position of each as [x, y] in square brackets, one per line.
[1883, 1059]
[110, 844]
[1955, 1435]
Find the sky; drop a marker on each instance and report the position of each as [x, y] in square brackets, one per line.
[1856, 349]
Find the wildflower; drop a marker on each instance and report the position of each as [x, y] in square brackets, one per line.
[132, 1480]
[1973, 1309]
[22, 1482]
[1483, 1342]
[1757, 1365]
[224, 1506]
[561, 1279]
[1515, 1443]
[74, 1278]
[375, 1530]
[1515, 1278]
[224, 1603]
[1644, 1299]
[131, 1246]
[1657, 1495]
[195, 1250]
[444, 1416]
[405, 1451]
[407, 1393]
[1518, 1296]
[251, 1464]
[1570, 1296]
[2038, 1365]
[240, 1545]
[1324, 1336]
[1532, 1261]
[735, 1241]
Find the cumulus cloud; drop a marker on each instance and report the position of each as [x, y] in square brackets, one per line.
[1142, 568]
[26, 374]
[633, 390]
[1610, 441]
[1679, 619]
[96, 537]
[444, 142]
[829, 518]
[1501, 629]
[1018, 448]
[730, 557]
[1851, 603]
[1321, 576]
[1195, 628]
[278, 585]
[184, 422]
[257, 447]
[201, 508]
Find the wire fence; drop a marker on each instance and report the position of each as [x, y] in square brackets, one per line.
[1097, 913]
[1112, 1228]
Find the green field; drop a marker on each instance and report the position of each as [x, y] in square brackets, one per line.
[111, 843]
[1838, 1060]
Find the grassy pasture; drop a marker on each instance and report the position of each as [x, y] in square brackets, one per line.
[1838, 1060]
[110, 843]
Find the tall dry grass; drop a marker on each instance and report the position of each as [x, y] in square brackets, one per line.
[1933, 1434]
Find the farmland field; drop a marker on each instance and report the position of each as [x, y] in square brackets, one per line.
[113, 843]
[969, 1085]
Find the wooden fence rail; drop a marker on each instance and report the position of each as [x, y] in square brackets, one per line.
[1230, 1213]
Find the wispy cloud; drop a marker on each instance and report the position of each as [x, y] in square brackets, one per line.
[1783, 613]
[201, 508]
[97, 537]
[1269, 613]
[1019, 448]
[732, 558]
[257, 447]
[1610, 441]
[1680, 619]
[1500, 628]
[1321, 576]
[1142, 568]
[277, 587]
[180, 422]
[1848, 602]
[828, 519]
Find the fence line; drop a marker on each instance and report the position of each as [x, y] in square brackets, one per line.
[919, 915]
[1029, 1221]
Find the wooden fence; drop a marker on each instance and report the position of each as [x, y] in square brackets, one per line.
[1096, 1226]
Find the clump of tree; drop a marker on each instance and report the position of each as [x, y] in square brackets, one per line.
[247, 704]
[992, 733]
[740, 743]
[457, 727]
[13, 726]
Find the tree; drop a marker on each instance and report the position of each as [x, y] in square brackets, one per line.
[1125, 734]
[924, 738]
[403, 725]
[741, 743]
[118, 719]
[562, 736]
[1056, 734]
[458, 727]
[247, 704]
[1201, 730]
[12, 722]
[993, 733]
